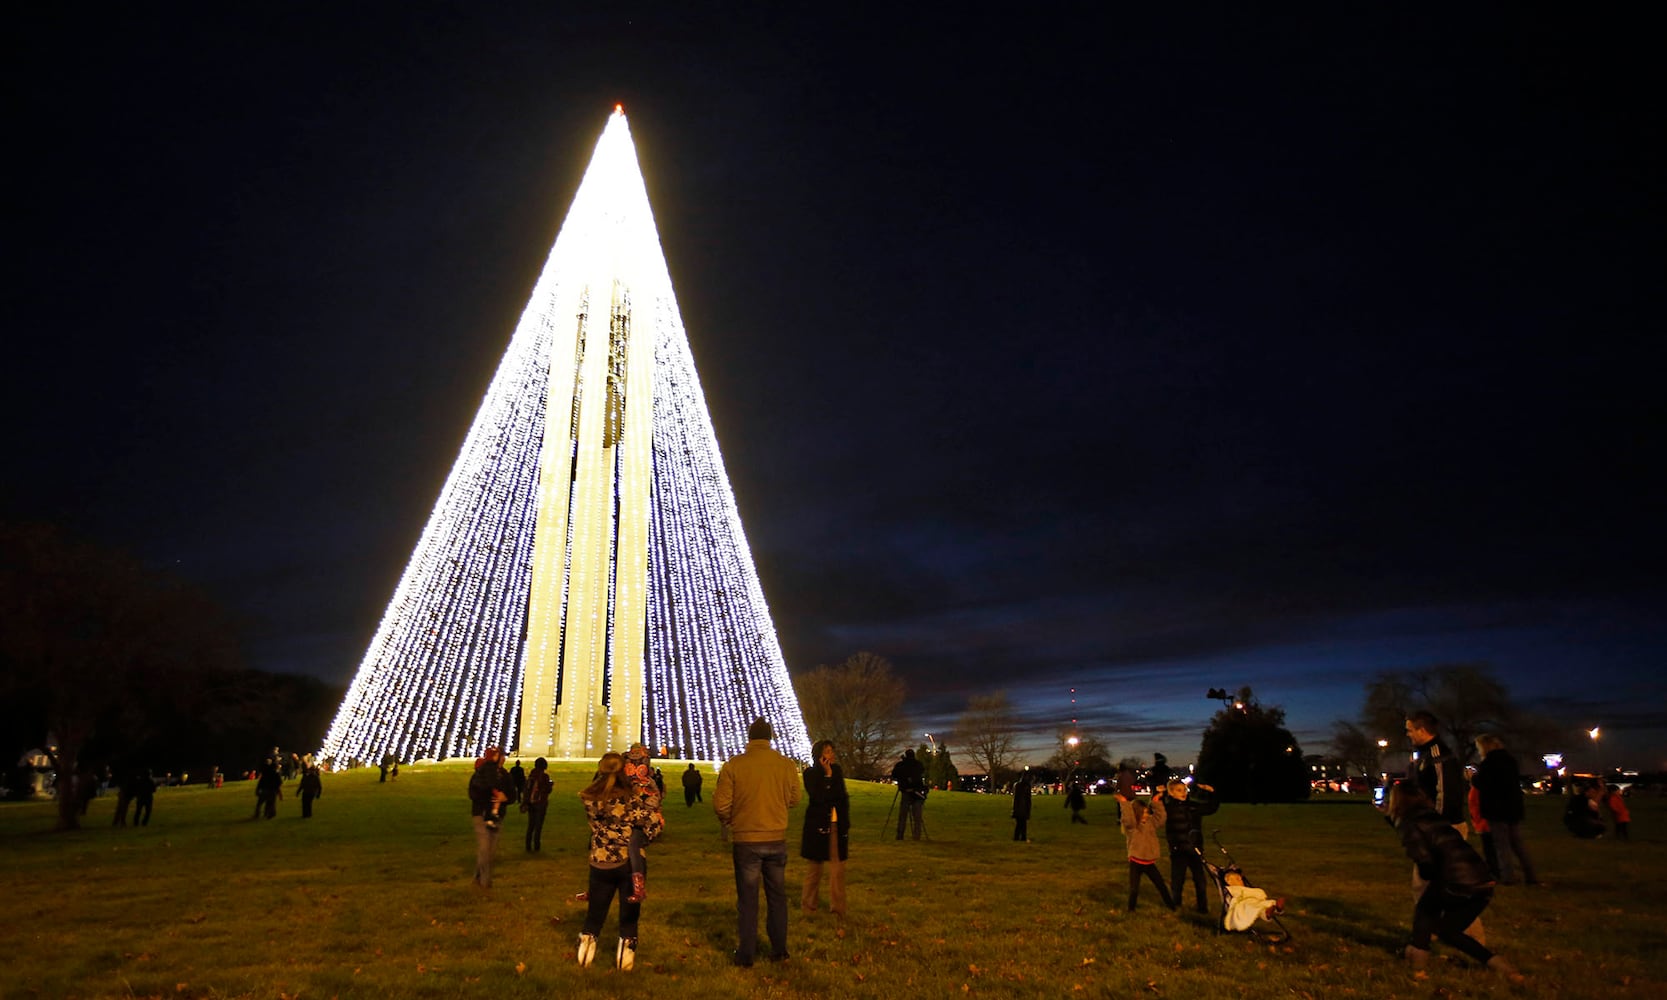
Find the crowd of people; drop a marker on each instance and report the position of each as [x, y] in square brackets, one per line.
[1433, 810]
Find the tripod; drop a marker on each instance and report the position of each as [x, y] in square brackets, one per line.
[919, 816]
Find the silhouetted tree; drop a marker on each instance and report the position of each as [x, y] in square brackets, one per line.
[1467, 699]
[106, 653]
[1249, 756]
[859, 705]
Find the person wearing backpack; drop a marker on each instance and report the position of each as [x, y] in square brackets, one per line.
[537, 803]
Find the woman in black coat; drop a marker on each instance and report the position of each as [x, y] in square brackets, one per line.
[1459, 885]
[827, 834]
[1021, 807]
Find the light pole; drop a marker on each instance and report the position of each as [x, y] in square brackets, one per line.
[1597, 758]
[1383, 745]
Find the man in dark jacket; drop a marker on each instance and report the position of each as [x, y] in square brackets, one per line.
[312, 787]
[1440, 776]
[910, 777]
[1184, 812]
[1499, 786]
[691, 785]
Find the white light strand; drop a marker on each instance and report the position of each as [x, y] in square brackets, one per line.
[449, 666]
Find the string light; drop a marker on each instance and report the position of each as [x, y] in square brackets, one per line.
[583, 581]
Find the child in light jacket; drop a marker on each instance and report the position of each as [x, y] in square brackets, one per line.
[1141, 823]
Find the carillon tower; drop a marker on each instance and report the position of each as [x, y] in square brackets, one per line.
[583, 582]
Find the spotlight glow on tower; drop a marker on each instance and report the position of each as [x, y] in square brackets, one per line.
[583, 582]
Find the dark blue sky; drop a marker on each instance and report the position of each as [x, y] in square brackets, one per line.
[1136, 352]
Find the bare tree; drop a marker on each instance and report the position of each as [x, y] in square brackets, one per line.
[986, 733]
[859, 705]
[1466, 698]
[1358, 752]
[1088, 753]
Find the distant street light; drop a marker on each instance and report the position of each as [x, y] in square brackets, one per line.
[1597, 758]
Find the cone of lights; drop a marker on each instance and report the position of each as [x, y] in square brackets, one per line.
[583, 582]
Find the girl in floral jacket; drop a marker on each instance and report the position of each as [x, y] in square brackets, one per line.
[614, 806]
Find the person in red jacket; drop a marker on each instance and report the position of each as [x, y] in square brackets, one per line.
[1618, 811]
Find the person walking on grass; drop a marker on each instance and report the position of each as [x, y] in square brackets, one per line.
[144, 796]
[1498, 787]
[692, 779]
[269, 788]
[618, 808]
[312, 787]
[1457, 883]
[756, 788]
[827, 831]
[1439, 774]
[537, 803]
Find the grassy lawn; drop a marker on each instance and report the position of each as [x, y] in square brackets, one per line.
[372, 898]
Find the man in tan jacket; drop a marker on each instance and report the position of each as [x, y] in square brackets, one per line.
[756, 788]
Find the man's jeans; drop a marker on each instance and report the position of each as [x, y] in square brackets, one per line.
[752, 860]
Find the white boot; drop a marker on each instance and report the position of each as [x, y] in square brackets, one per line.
[587, 950]
[626, 956]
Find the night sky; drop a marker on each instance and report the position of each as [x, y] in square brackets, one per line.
[1140, 352]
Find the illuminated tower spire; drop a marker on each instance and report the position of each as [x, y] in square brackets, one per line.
[583, 581]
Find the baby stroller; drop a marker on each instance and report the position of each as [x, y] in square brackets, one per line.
[1244, 907]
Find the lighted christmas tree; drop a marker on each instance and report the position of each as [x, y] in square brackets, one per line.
[583, 582]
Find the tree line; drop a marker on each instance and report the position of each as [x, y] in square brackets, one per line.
[108, 663]
[1246, 751]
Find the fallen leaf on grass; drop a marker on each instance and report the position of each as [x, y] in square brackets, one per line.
[181, 987]
[1089, 961]
[520, 968]
[973, 969]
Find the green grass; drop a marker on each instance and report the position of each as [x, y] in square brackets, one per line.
[372, 898]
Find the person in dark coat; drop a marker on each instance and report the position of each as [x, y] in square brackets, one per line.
[827, 833]
[1498, 785]
[910, 777]
[1021, 807]
[1582, 817]
[1076, 801]
[144, 796]
[124, 795]
[269, 788]
[691, 785]
[312, 787]
[537, 803]
[489, 791]
[1439, 774]
[1458, 885]
[518, 778]
[1184, 812]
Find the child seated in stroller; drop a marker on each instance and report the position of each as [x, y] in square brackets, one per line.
[1244, 907]
[1245, 904]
